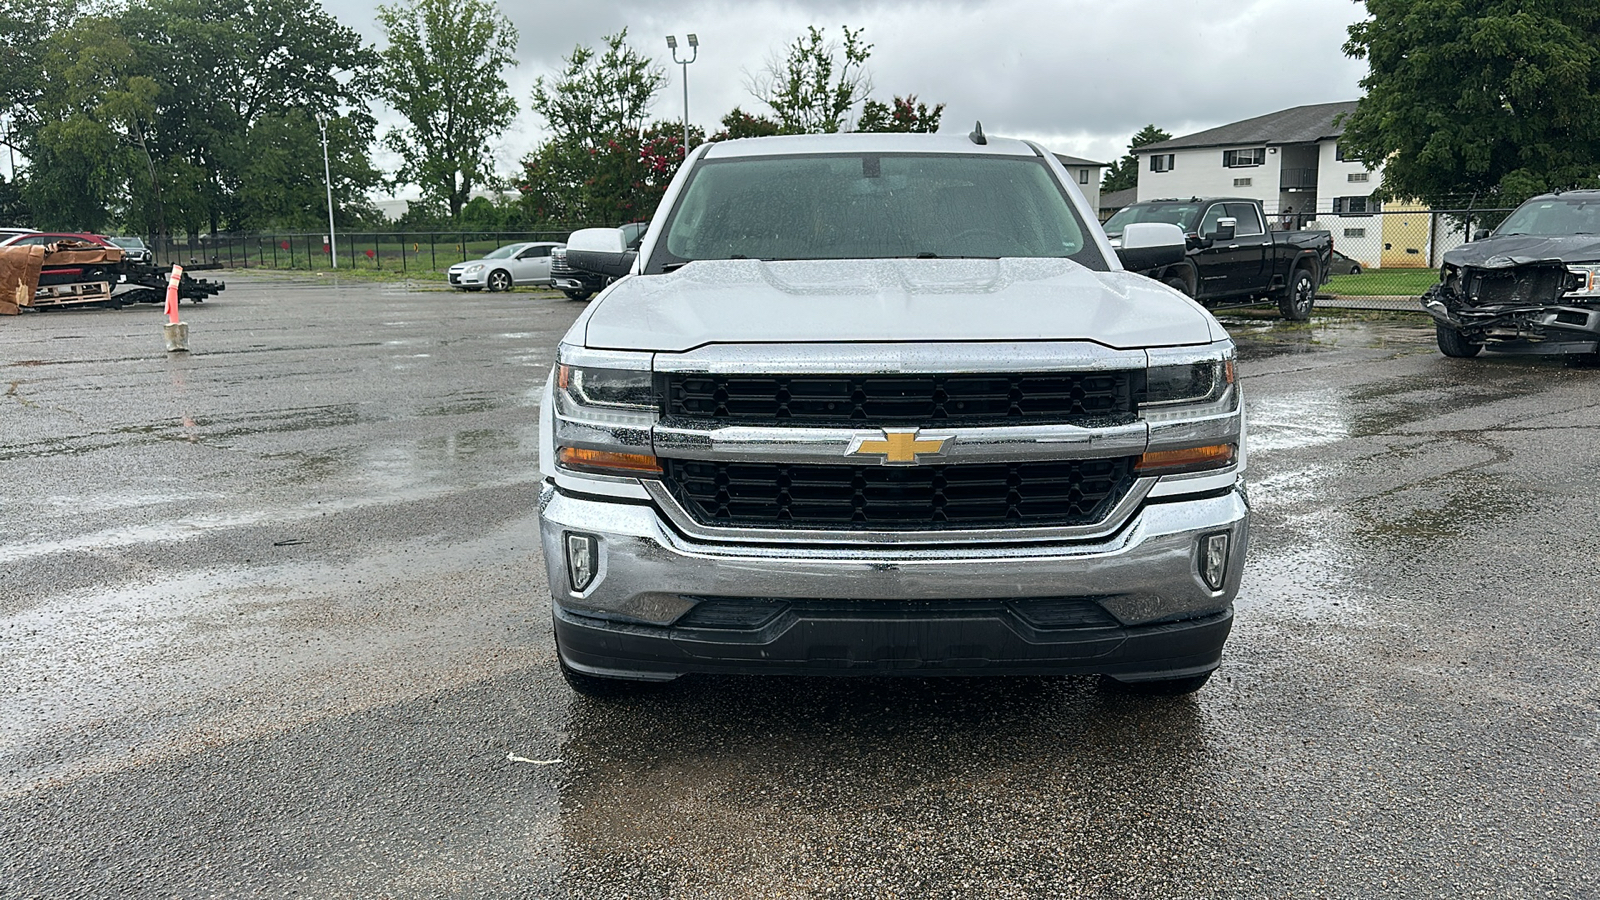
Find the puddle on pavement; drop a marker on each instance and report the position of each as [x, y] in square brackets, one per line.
[1296, 421]
[1267, 338]
[476, 403]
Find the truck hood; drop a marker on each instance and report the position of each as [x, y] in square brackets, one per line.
[891, 300]
[1522, 249]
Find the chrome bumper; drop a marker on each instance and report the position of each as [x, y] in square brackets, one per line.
[649, 574]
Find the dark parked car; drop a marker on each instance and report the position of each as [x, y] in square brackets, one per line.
[1531, 286]
[1234, 258]
[578, 284]
[1343, 265]
[134, 250]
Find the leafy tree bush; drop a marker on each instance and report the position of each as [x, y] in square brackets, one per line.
[1478, 97]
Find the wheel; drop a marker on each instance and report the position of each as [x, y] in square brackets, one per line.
[597, 687]
[1453, 344]
[1298, 296]
[576, 295]
[1179, 284]
[499, 281]
[1166, 687]
[1355, 270]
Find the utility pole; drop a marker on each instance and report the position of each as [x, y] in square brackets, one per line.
[327, 180]
[694, 44]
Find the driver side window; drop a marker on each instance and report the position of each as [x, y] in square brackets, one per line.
[534, 253]
[1208, 224]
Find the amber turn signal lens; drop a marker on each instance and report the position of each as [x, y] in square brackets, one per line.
[606, 461]
[1193, 459]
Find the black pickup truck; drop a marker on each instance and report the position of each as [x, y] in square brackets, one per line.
[1235, 258]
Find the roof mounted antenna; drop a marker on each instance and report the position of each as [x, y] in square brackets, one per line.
[976, 135]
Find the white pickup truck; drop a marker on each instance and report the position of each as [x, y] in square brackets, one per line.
[889, 404]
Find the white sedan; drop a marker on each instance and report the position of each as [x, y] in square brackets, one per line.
[511, 265]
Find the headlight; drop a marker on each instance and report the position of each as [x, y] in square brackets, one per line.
[1190, 383]
[603, 418]
[1585, 281]
[611, 396]
[474, 268]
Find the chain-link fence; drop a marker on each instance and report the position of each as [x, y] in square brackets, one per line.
[1388, 258]
[408, 253]
[1384, 259]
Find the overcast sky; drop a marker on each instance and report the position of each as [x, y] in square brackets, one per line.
[1080, 76]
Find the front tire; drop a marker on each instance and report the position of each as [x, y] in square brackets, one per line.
[499, 281]
[576, 295]
[1179, 284]
[1453, 343]
[1355, 270]
[1298, 296]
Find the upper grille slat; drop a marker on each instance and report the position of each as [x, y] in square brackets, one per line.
[1099, 398]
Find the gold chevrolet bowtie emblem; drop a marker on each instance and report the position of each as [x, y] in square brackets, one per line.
[899, 448]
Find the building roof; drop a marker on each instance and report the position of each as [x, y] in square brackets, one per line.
[1300, 125]
[1116, 200]
[1078, 161]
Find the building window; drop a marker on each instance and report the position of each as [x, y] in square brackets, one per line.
[1355, 232]
[1238, 159]
[1338, 153]
[1083, 176]
[1162, 162]
[1356, 177]
[1243, 182]
[1356, 206]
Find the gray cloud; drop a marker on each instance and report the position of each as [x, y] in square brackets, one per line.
[1079, 75]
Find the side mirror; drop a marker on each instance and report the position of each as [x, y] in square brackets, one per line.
[600, 250]
[1151, 245]
[1226, 228]
[1479, 234]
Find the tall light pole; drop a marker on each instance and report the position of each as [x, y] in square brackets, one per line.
[327, 180]
[694, 45]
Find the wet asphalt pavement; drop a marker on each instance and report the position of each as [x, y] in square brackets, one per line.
[273, 623]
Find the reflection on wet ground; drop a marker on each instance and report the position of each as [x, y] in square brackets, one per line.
[1025, 786]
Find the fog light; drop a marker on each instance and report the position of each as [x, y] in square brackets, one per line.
[583, 556]
[1214, 559]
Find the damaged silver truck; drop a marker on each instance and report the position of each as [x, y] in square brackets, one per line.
[1531, 286]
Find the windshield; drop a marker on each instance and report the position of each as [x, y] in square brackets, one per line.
[873, 206]
[1182, 215]
[505, 252]
[1554, 216]
[128, 243]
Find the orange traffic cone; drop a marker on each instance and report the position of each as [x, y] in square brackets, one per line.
[177, 333]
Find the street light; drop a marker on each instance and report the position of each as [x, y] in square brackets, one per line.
[327, 180]
[694, 44]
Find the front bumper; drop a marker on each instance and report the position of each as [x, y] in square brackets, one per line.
[1132, 605]
[1572, 328]
[461, 278]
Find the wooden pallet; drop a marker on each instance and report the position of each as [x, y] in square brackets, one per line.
[72, 294]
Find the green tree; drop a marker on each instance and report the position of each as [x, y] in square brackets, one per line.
[91, 106]
[443, 72]
[598, 97]
[602, 162]
[281, 185]
[1477, 97]
[223, 66]
[740, 124]
[813, 83]
[1123, 174]
[903, 114]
